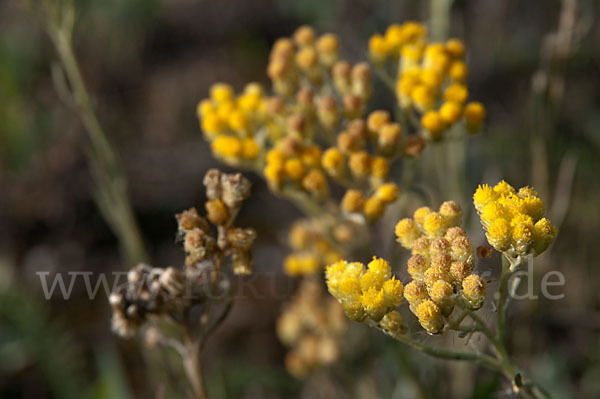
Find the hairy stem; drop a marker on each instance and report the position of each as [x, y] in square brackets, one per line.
[111, 184]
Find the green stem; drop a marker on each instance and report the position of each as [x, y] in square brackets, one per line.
[111, 184]
[450, 354]
[502, 291]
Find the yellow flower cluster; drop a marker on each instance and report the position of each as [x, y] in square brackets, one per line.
[312, 327]
[441, 265]
[312, 250]
[427, 223]
[367, 294]
[231, 123]
[431, 78]
[513, 220]
[305, 60]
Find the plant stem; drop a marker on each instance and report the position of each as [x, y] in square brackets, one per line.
[502, 291]
[111, 183]
[450, 354]
[192, 364]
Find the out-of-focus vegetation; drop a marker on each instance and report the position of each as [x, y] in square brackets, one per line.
[147, 63]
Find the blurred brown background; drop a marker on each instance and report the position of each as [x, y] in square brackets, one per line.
[148, 62]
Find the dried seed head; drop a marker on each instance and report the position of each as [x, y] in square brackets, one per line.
[212, 181]
[241, 262]
[236, 188]
[172, 281]
[414, 146]
[189, 219]
[241, 238]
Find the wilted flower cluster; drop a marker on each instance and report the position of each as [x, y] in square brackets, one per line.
[430, 78]
[441, 265]
[513, 220]
[367, 294]
[312, 326]
[154, 292]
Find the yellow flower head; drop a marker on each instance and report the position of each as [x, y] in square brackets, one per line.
[434, 225]
[315, 182]
[204, 107]
[213, 124]
[392, 290]
[441, 260]
[380, 267]
[238, 120]
[499, 234]
[430, 316]
[373, 208]
[274, 173]
[333, 162]
[433, 123]
[474, 115]
[442, 294]
[503, 188]
[434, 274]
[353, 201]
[227, 146]
[380, 167]
[221, 92]
[453, 233]
[460, 270]
[311, 156]
[417, 265]
[304, 35]
[359, 164]
[415, 292]
[420, 215]
[423, 97]
[387, 192]
[534, 207]
[421, 246]
[458, 71]
[378, 48]
[456, 92]
[433, 78]
[452, 212]
[407, 232]
[544, 233]
[373, 301]
[377, 119]
[482, 196]
[462, 249]
[301, 264]
[456, 48]
[451, 112]
[392, 324]
[474, 291]
[294, 168]
[395, 36]
[250, 148]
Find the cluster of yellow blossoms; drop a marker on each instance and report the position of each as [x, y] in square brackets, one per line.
[233, 123]
[311, 249]
[367, 294]
[311, 325]
[441, 265]
[431, 78]
[513, 220]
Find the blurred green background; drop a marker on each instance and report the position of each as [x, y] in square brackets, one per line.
[147, 63]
